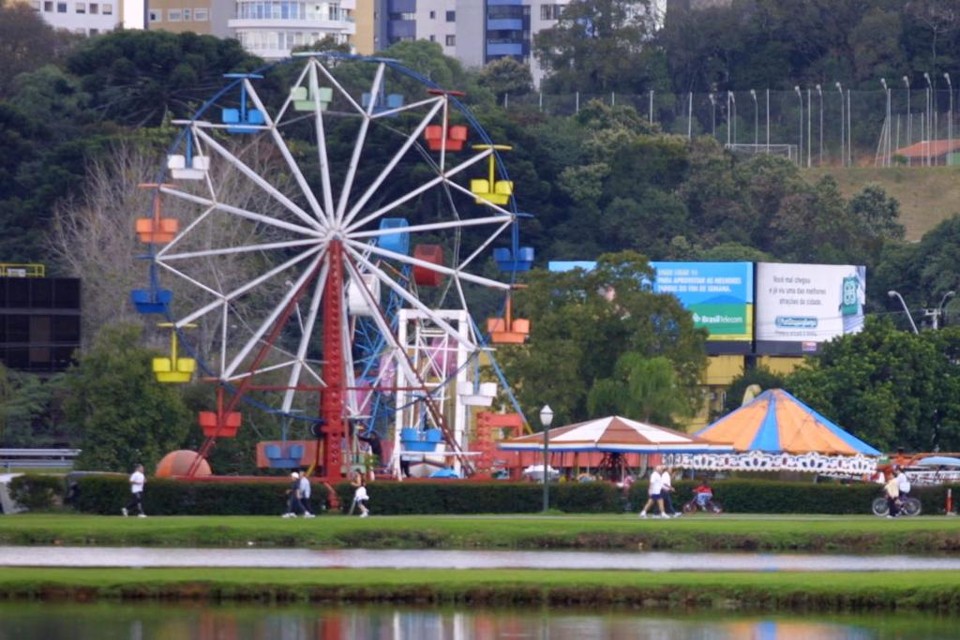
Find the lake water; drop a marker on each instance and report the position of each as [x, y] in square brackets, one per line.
[112, 621]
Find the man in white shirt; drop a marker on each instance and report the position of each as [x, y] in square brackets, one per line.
[655, 493]
[137, 480]
[305, 495]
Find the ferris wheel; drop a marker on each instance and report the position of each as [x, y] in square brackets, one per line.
[323, 243]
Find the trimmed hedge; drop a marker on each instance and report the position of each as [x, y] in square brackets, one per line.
[37, 492]
[105, 494]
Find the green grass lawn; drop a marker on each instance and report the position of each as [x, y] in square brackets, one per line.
[781, 591]
[806, 533]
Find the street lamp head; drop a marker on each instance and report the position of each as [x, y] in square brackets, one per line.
[892, 293]
[546, 415]
[753, 93]
[946, 76]
[906, 81]
[883, 81]
[797, 88]
[838, 85]
[818, 89]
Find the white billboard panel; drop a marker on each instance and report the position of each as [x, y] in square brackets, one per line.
[808, 303]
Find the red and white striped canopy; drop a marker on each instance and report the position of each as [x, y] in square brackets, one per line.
[615, 434]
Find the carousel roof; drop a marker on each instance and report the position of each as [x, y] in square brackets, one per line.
[615, 434]
[777, 422]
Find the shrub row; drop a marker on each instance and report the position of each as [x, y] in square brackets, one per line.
[107, 493]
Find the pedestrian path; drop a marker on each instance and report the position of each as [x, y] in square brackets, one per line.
[140, 557]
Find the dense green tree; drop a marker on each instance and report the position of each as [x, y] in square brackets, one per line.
[581, 325]
[30, 411]
[506, 76]
[889, 387]
[760, 376]
[597, 46]
[641, 388]
[142, 78]
[27, 43]
[123, 414]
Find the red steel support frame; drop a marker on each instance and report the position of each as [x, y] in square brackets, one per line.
[331, 397]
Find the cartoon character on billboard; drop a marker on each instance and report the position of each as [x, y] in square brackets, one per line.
[852, 299]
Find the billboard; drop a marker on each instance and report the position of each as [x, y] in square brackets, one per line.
[801, 305]
[719, 295]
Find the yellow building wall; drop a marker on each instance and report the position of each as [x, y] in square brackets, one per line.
[781, 365]
[363, 39]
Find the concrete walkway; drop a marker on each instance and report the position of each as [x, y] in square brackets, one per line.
[138, 557]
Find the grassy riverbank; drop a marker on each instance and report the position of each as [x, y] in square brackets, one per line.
[801, 592]
[811, 534]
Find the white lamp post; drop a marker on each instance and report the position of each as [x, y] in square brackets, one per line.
[756, 120]
[843, 155]
[930, 127]
[939, 314]
[894, 294]
[820, 95]
[887, 124]
[546, 418]
[713, 115]
[906, 82]
[796, 90]
[946, 76]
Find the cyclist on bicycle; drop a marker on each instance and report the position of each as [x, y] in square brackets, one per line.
[903, 483]
[704, 494]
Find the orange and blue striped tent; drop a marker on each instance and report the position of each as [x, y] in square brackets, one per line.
[776, 422]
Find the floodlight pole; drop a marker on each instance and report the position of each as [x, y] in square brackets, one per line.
[895, 294]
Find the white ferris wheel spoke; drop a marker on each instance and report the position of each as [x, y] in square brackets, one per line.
[442, 178]
[254, 177]
[273, 315]
[438, 268]
[411, 299]
[300, 360]
[396, 352]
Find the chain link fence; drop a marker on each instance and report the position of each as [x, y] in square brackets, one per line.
[814, 127]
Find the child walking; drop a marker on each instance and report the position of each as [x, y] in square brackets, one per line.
[360, 498]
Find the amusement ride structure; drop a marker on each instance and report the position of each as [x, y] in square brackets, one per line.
[323, 245]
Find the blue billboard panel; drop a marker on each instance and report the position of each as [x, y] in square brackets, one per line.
[719, 295]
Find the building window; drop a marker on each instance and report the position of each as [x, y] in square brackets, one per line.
[108, 9]
[451, 16]
[433, 38]
[201, 15]
[61, 7]
[48, 6]
[81, 7]
[174, 15]
[187, 15]
[94, 8]
[154, 16]
[451, 41]
[550, 11]
[433, 15]
[94, 32]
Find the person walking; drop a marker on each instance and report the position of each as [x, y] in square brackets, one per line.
[666, 493]
[360, 498]
[137, 480]
[655, 493]
[294, 505]
[305, 491]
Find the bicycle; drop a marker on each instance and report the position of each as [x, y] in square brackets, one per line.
[712, 506]
[908, 507]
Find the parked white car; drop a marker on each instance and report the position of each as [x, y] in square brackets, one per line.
[7, 505]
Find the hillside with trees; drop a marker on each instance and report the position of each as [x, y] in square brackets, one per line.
[81, 128]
